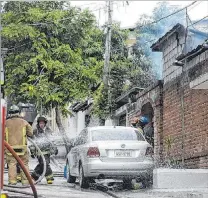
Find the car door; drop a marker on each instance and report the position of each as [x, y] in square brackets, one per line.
[80, 152]
[73, 157]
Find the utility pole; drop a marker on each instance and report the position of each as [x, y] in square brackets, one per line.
[106, 69]
[108, 45]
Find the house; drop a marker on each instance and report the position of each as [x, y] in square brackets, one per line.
[178, 104]
[131, 40]
[185, 101]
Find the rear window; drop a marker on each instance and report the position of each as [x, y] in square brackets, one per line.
[116, 134]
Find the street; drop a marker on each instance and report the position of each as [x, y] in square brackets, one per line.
[113, 95]
[60, 188]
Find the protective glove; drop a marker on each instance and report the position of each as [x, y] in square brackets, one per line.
[56, 151]
[32, 150]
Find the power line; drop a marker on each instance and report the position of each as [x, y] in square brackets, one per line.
[195, 6]
[199, 20]
[101, 8]
[139, 26]
[127, 47]
[165, 17]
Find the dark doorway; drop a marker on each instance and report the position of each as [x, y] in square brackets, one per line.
[122, 120]
[148, 112]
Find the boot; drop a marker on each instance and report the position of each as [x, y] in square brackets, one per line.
[50, 181]
[12, 184]
[19, 178]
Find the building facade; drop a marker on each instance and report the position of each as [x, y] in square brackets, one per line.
[177, 105]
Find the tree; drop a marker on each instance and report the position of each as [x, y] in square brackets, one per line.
[125, 73]
[50, 60]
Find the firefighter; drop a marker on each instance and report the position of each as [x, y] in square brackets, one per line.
[149, 133]
[17, 130]
[140, 123]
[18, 173]
[18, 167]
[41, 134]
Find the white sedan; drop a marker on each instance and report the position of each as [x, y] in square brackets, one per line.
[109, 153]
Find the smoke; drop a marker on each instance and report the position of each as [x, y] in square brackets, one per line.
[150, 33]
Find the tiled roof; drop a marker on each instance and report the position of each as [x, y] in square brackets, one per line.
[156, 46]
[195, 52]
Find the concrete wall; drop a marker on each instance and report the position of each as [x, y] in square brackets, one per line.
[172, 49]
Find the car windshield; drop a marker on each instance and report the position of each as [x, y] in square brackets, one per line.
[116, 134]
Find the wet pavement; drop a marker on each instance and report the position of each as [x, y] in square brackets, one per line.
[60, 188]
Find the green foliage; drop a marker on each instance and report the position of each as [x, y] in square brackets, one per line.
[125, 73]
[56, 54]
[48, 60]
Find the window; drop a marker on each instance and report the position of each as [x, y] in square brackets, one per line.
[116, 134]
[82, 138]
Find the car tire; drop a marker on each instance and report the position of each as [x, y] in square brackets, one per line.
[127, 183]
[147, 181]
[83, 181]
[70, 179]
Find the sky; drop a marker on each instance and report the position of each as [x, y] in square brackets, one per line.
[128, 15]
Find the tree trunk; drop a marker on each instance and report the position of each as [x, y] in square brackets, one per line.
[61, 129]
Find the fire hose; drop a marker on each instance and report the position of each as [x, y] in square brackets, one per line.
[44, 167]
[23, 168]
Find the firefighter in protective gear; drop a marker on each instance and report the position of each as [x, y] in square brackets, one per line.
[41, 132]
[17, 130]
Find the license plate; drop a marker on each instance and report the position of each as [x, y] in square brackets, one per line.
[122, 153]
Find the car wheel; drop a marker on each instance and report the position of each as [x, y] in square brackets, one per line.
[147, 181]
[127, 183]
[83, 181]
[69, 177]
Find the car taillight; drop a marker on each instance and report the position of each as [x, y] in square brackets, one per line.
[149, 151]
[93, 152]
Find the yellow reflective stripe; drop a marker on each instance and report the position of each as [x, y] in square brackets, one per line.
[7, 134]
[25, 182]
[12, 181]
[24, 135]
[24, 149]
[49, 176]
[44, 152]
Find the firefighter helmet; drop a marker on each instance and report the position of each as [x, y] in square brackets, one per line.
[14, 109]
[42, 118]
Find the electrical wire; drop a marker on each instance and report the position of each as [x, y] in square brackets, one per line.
[198, 21]
[165, 17]
[195, 6]
[138, 26]
[98, 9]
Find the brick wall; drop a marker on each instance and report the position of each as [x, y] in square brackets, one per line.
[195, 144]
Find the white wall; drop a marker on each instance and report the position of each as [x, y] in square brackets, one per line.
[80, 121]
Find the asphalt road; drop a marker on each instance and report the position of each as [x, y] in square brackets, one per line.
[61, 189]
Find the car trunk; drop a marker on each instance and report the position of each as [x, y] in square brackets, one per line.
[122, 151]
